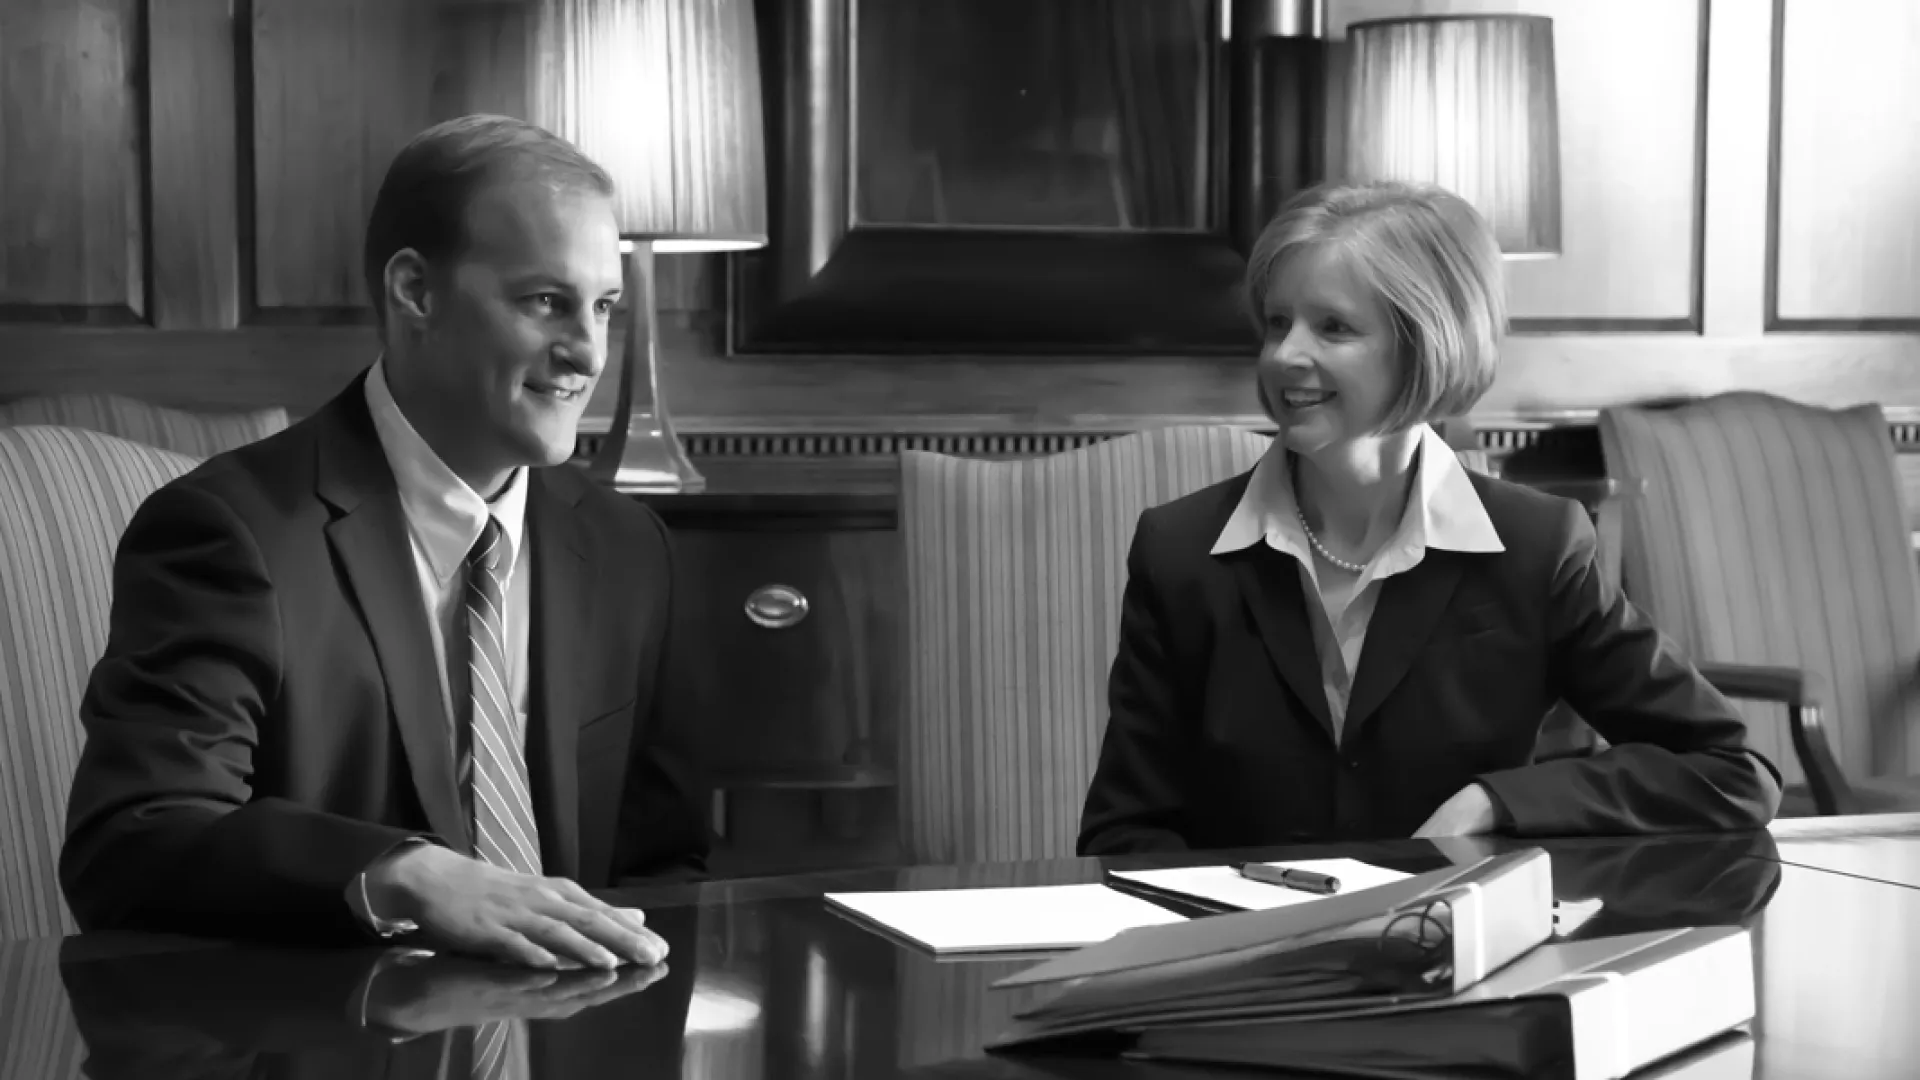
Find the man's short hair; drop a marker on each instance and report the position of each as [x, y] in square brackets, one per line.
[423, 200]
[1433, 263]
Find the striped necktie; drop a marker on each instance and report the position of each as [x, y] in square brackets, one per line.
[504, 833]
[500, 1051]
[503, 830]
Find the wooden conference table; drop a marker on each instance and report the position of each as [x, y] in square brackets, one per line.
[765, 981]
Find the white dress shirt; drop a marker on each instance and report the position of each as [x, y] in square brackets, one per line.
[1444, 512]
[444, 519]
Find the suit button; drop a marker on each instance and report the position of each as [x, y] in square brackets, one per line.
[1352, 764]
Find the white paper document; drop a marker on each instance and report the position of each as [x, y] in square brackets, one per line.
[1005, 920]
[1224, 885]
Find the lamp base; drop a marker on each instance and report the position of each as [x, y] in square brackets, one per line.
[647, 461]
[640, 453]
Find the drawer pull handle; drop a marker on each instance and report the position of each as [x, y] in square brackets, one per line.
[776, 607]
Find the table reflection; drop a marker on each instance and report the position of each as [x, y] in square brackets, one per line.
[764, 980]
[1838, 967]
[1884, 847]
[1665, 884]
[175, 1007]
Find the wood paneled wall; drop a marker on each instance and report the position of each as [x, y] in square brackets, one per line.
[337, 89]
[1631, 154]
[73, 222]
[1846, 188]
[185, 183]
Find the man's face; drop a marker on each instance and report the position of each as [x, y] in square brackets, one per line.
[516, 331]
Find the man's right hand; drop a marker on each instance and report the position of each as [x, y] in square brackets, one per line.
[473, 907]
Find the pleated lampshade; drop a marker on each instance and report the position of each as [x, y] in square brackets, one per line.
[665, 94]
[1467, 102]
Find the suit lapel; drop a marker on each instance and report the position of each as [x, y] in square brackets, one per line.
[368, 536]
[1409, 608]
[561, 607]
[1270, 584]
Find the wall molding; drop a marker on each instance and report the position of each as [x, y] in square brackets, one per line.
[1497, 439]
[852, 479]
[1550, 379]
[721, 445]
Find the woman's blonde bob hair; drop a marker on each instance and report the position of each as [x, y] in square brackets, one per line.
[1434, 264]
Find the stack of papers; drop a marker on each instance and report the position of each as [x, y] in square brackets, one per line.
[1055, 917]
[1004, 920]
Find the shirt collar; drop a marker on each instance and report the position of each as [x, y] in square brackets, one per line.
[444, 515]
[1445, 512]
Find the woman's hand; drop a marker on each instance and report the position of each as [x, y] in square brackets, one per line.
[1468, 813]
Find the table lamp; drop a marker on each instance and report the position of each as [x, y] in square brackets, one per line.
[1467, 102]
[665, 94]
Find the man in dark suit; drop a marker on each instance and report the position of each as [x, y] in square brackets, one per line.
[392, 672]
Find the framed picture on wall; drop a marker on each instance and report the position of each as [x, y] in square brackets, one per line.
[996, 177]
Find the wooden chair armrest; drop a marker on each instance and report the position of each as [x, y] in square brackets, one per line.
[1801, 692]
[1756, 682]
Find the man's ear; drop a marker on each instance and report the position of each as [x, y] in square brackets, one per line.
[408, 294]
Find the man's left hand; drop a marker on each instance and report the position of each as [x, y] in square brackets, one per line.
[1468, 813]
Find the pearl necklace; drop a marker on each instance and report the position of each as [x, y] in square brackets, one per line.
[1321, 549]
[1351, 568]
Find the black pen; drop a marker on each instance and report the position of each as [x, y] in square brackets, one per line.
[1303, 880]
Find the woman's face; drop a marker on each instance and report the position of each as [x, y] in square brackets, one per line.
[1328, 369]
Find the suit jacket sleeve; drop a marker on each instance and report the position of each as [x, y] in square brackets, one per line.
[162, 829]
[1136, 802]
[663, 830]
[1679, 760]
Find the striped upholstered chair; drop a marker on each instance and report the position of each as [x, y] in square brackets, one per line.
[38, 1037]
[66, 495]
[1014, 575]
[1771, 542]
[194, 434]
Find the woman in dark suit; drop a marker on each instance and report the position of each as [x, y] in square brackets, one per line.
[1359, 639]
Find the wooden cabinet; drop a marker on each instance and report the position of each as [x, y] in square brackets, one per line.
[819, 693]
[802, 711]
